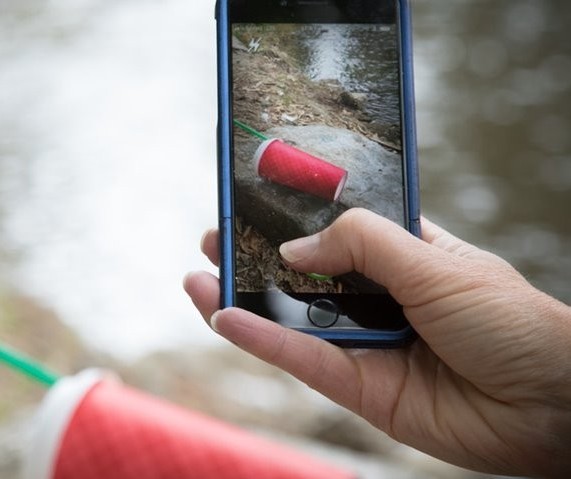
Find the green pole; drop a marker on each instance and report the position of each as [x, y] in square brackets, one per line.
[27, 366]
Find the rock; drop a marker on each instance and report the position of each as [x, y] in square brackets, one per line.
[390, 134]
[351, 100]
[281, 213]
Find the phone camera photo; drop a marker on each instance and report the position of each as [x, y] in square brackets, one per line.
[316, 132]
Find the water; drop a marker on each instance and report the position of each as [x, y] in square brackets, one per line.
[107, 152]
[494, 116]
[362, 58]
[107, 164]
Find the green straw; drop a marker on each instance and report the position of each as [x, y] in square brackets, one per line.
[250, 130]
[319, 277]
[27, 366]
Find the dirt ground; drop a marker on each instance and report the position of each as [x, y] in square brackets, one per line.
[259, 265]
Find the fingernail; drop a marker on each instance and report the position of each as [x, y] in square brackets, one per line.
[300, 249]
[214, 320]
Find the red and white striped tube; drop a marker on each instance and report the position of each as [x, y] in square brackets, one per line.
[91, 426]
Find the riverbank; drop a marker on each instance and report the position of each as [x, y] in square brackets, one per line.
[270, 89]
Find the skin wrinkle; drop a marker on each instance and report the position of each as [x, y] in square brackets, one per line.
[487, 288]
[439, 298]
[435, 427]
[441, 371]
[446, 324]
[445, 241]
[426, 320]
[360, 383]
[476, 408]
[482, 385]
[527, 453]
[359, 235]
[356, 253]
[321, 362]
[280, 343]
[408, 295]
[528, 359]
[391, 429]
[474, 275]
[466, 450]
[436, 395]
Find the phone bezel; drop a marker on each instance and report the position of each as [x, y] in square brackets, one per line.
[344, 337]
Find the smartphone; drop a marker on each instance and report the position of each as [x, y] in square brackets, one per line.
[315, 116]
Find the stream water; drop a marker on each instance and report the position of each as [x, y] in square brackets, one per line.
[107, 151]
[362, 58]
[107, 164]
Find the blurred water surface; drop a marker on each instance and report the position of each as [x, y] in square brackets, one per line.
[494, 115]
[107, 151]
[363, 59]
[107, 168]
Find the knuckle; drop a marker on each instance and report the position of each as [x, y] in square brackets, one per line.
[350, 219]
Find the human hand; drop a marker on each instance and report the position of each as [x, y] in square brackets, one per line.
[488, 385]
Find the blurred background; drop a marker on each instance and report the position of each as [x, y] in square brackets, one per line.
[108, 179]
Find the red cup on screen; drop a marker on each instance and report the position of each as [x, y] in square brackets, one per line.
[92, 426]
[284, 164]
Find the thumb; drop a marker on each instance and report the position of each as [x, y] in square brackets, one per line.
[362, 241]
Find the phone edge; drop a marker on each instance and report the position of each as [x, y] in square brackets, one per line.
[364, 339]
[224, 157]
[410, 152]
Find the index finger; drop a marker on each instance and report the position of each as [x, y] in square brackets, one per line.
[321, 365]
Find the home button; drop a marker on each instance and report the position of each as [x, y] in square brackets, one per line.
[323, 313]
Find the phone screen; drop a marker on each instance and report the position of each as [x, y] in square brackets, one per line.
[317, 130]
